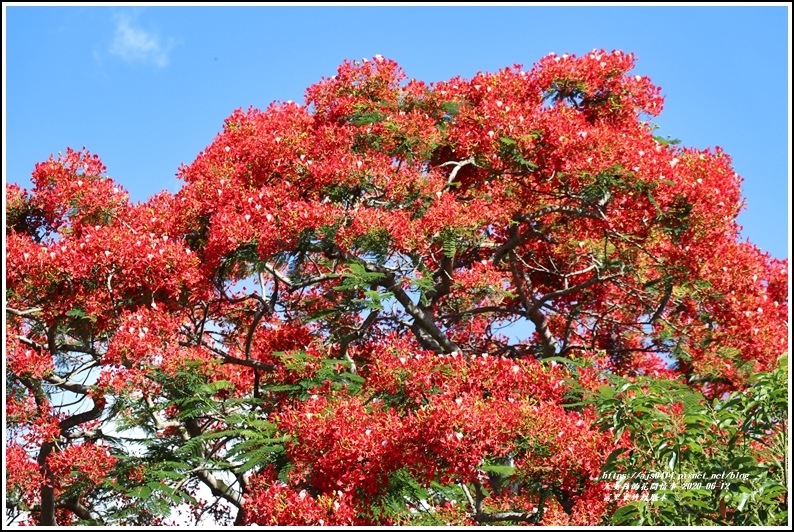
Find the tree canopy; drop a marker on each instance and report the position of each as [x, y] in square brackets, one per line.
[473, 301]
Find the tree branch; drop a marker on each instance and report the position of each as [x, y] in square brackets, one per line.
[191, 429]
[548, 341]
[533, 305]
[27, 341]
[27, 312]
[347, 339]
[483, 517]
[668, 292]
[474, 507]
[570, 290]
[74, 506]
[83, 417]
[64, 384]
[458, 166]
[421, 317]
[483, 310]
[76, 348]
[442, 287]
[218, 487]
[229, 359]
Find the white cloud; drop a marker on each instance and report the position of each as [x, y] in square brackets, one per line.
[135, 45]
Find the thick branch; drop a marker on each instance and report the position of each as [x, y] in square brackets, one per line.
[80, 511]
[83, 417]
[76, 348]
[668, 292]
[27, 341]
[483, 517]
[516, 239]
[475, 508]
[47, 491]
[263, 308]
[442, 287]
[458, 166]
[271, 268]
[547, 339]
[534, 305]
[255, 364]
[26, 312]
[420, 316]
[357, 334]
[64, 384]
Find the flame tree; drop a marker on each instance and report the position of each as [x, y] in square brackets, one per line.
[397, 303]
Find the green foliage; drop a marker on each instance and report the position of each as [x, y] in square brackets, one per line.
[358, 277]
[723, 461]
[403, 492]
[333, 374]
[566, 89]
[451, 108]
[240, 263]
[666, 141]
[510, 151]
[375, 243]
[363, 117]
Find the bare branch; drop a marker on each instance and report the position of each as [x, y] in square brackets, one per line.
[421, 317]
[27, 341]
[359, 332]
[458, 166]
[228, 359]
[27, 312]
[469, 498]
[64, 384]
[74, 506]
[668, 292]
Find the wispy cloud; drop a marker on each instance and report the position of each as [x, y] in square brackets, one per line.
[136, 45]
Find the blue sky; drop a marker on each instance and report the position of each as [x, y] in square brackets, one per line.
[147, 88]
